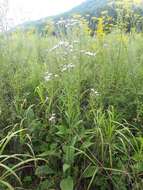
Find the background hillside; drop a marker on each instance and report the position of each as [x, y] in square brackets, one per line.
[89, 7]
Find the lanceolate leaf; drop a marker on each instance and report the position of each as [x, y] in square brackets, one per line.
[90, 171]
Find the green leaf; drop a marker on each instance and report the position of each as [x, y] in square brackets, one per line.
[30, 113]
[27, 179]
[43, 171]
[44, 185]
[138, 167]
[67, 184]
[66, 167]
[90, 171]
[69, 154]
[62, 130]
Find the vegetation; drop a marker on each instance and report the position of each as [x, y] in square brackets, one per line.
[90, 9]
[71, 107]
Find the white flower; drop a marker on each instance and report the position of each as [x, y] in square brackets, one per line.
[90, 53]
[67, 67]
[71, 24]
[94, 92]
[53, 48]
[48, 76]
[56, 75]
[70, 66]
[62, 21]
[52, 118]
[47, 98]
[64, 69]
[75, 41]
[68, 22]
[62, 44]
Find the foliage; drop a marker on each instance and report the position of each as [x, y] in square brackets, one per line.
[71, 107]
[128, 12]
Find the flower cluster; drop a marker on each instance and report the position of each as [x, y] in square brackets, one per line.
[50, 76]
[67, 67]
[62, 44]
[93, 54]
[75, 41]
[68, 22]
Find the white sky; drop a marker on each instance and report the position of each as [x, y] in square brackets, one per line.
[23, 10]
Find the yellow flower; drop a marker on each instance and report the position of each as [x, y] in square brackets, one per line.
[100, 28]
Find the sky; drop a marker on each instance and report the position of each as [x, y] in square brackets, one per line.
[24, 10]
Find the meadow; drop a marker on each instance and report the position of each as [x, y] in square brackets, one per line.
[71, 110]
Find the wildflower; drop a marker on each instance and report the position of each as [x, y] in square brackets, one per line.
[47, 98]
[52, 118]
[71, 24]
[56, 75]
[53, 48]
[75, 41]
[94, 92]
[62, 44]
[71, 50]
[48, 76]
[67, 67]
[64, 69]
[68, 22]
[90, 53]
[61, 21]
[100, 28]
